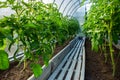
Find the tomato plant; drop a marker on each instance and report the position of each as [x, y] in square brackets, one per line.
[103, 23]
[36, 28]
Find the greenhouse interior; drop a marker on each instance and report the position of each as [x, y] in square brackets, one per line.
[59, 40]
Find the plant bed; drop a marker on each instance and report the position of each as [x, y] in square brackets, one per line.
[16, 73]
[96, 68]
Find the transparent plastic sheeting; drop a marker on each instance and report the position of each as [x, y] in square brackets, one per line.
[80, 13]
[6, 12]
[67, 7]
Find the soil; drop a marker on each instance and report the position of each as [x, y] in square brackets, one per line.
[96, 68]
[15, 72]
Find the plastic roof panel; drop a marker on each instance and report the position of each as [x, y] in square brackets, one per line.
[73, 7]
[48, 1]
[58, 2]
[67, 7]
[71, 4]
[74, 11]
[64, 5]
[79, 14]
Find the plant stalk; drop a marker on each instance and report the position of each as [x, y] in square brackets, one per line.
[111, 49]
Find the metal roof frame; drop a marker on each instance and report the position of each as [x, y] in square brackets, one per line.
[70, 8]
[75, 11]
[61, 4]
[67, 5]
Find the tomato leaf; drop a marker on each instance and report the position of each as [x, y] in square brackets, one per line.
[1, 43]
[37, 69]
[30, 25]
[4, 61]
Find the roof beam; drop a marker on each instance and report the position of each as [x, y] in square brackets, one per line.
[67, 5]
[61, 4]
[75, 11]
[72, 7]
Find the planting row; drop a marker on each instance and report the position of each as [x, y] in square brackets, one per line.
[36, 28]
[103, 25]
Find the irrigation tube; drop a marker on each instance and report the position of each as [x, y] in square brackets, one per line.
[18, 56]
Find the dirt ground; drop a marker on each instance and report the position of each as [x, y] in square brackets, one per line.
[96, 68]
[16, 73]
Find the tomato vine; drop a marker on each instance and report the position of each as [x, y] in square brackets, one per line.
[36, 28]
[103, 23]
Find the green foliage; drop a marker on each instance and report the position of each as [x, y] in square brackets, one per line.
[4, 61]
[73, 26]
[37, 70]
[103, 23]
[36, 28]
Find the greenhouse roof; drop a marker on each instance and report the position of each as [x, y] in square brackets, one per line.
[71, 8]
[67, 7]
